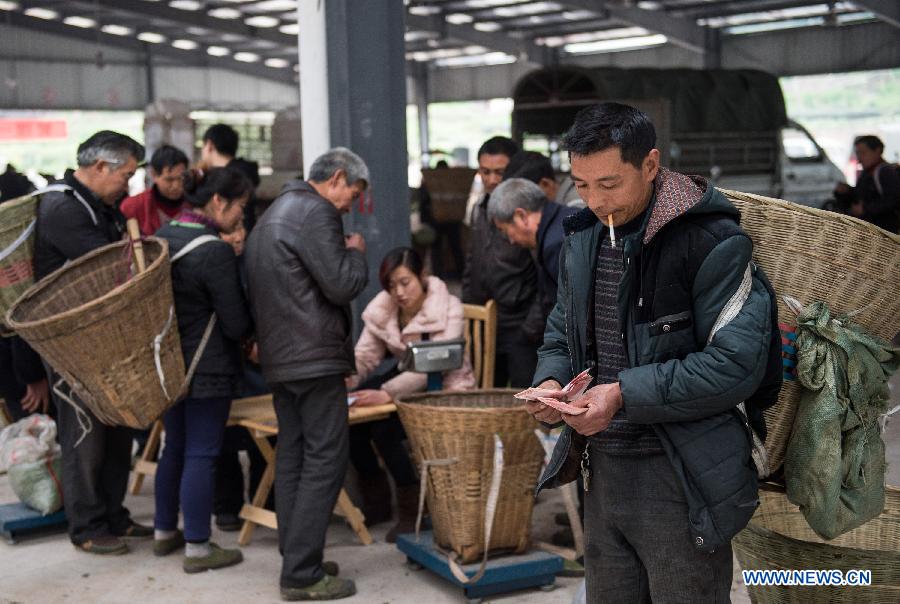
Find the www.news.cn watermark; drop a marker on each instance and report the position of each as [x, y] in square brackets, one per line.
[807, 578]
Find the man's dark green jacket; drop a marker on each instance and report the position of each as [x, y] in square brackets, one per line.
[681, 270]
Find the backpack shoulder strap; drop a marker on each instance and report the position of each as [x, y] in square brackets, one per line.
[192, 245]
[64, 188]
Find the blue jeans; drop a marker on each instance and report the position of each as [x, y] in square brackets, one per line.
[186, 471]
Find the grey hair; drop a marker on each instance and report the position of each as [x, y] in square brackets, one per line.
[113, 148]
[339, 158]
[513, 194]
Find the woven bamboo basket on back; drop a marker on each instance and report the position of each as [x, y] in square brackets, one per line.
[17, 219]
[814, 255]
[778, 538]
[461, 426]
[94, 322]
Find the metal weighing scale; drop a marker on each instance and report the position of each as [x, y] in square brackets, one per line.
[17, 520]
[502, 575]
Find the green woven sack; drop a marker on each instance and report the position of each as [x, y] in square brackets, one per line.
[37, 484]
[835, 466]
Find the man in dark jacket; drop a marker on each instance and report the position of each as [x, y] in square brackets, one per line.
[302, 273]
[675, 327]
[220, 145]
[876, 196]
[72, 221]
[500, 271]
[520, 210]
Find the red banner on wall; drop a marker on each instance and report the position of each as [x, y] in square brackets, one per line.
[32, 129]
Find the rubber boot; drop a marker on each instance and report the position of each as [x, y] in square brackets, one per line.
[407, 510]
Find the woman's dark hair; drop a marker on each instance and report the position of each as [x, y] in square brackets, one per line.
[871, 141]
[228, 183]
[605, 125]
[397, 257]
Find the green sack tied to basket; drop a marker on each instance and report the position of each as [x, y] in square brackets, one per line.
[835, 461]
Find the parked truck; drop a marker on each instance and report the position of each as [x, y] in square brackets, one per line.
[729, 125]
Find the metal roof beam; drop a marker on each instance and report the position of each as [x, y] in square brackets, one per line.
[886, 10]
[184, 18]
[198, 58]
[521, 49]
[683, 32]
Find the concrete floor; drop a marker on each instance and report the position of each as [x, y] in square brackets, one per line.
[48, 570]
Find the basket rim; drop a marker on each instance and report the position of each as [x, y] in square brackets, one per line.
[51, 279]
[849, 221]
[766, 532]
[412, 400]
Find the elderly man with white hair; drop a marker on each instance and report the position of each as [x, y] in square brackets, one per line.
[521, 211]
[302, 273]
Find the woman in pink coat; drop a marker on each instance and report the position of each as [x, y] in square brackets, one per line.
[411, 308]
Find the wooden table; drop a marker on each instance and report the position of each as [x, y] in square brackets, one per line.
[257, 415]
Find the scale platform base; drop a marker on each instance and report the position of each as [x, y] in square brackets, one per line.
[18, 520]
[502, 575]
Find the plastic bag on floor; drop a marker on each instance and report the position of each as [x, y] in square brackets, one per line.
[30, 454]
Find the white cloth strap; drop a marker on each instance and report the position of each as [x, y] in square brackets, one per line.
[157, 341]
[62, 188]
[192, 245]
[728, 313]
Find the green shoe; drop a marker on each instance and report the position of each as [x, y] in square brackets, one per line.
[217, 558]
[164, 547]
[106, 545]
[571, 568]
[136, 531]
[328, 588]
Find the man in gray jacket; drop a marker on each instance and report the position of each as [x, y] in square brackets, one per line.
[302, 273]
[658, 297]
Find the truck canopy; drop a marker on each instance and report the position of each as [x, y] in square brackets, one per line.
[699, 101]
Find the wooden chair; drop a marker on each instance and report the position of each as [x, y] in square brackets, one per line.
[481, 341]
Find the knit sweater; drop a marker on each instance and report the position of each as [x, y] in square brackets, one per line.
[621, 436]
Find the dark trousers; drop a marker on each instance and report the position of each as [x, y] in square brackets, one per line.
[186, 471]
[229, 493]
[94, 473]
[452, 233]
[387, 435]
[516, 359]
[638, 547]
[310, 464]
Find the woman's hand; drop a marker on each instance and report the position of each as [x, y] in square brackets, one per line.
[366, 398]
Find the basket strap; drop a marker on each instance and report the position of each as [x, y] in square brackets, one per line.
[157, 346]
[197, 354]
[12, 247]
[157, 341]
[84, 420]
[157, 355]
[489, 512]
[731, 310]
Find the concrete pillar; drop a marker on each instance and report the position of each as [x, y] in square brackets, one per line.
[420, 81]
[313, 49]
[359, 90]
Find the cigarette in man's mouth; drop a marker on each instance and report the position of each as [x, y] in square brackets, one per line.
[612, 230]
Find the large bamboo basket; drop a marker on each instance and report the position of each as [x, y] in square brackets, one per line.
[17, 219]
[94, 322]
[814, 255]
[461, 425]
[778, 537]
